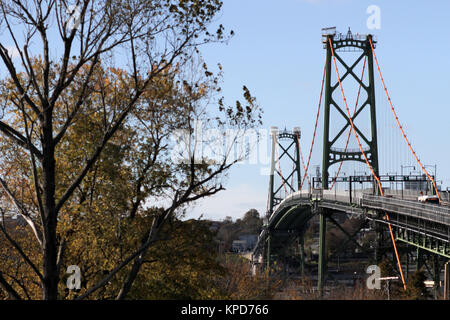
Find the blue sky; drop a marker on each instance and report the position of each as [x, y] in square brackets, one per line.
[277, 53]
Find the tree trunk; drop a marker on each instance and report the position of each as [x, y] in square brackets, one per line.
[50, 247]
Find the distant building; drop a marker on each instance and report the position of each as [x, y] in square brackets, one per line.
[250, 239]
[246, 242]
[239, 246]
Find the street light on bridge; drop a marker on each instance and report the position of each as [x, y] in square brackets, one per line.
[404, 167]
[432, 166]
[434, 174]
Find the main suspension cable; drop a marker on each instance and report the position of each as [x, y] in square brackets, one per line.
[315, 126]
[400, 126]
[368, 164]
[303, 164]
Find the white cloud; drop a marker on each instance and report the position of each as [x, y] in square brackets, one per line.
[234, 202]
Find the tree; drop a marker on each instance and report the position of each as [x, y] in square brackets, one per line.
[251, 222]
[239, 283]
[228, 231]
[388, 269]
[73, 125]
[416, 289]
[182, 265]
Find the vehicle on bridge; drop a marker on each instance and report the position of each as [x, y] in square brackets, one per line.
[429, 199]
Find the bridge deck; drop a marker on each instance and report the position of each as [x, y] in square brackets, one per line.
[359, 202]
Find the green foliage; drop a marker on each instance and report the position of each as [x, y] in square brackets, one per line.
[388, 269]
[183, 265]
[416, 289]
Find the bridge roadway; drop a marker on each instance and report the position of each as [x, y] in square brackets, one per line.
[426, 226]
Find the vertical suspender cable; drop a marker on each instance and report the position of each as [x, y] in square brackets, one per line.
[303, 164]
[315, 126]
[400, 126]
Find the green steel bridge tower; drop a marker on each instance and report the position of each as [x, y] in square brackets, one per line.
[331, 154]
[289, 144]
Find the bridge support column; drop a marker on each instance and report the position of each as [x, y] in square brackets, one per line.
[407, 265]
[269, 262]
[436, 274]
[379, 246]
[419, 259]
[302, 255]
[447, 281]
[322, 252]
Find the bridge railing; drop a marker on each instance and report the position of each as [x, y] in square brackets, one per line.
[353, 197]
[407, 194]
[304, 194]
[407, 206]
[430, 212]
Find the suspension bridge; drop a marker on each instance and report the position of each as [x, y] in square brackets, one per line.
[395, 214]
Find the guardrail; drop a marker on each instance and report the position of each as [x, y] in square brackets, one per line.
[299, 195]
[411, 207]
[430, 212]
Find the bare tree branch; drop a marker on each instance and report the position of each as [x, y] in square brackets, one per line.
[19, 139]
[23, 212]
